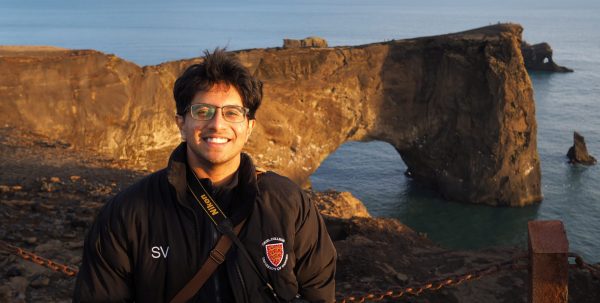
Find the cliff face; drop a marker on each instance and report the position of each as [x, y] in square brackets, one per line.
[458, 108]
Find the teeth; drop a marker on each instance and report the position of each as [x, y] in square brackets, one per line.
[217, 140]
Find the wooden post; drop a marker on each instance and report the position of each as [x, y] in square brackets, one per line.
[548, 270]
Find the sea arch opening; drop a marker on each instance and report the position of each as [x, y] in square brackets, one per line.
[372, 171]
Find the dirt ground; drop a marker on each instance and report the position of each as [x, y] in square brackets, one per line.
[50, 194]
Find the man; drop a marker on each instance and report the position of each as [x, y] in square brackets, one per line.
[151, 239]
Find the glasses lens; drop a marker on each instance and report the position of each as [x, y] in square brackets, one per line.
[233, 113]
[202, 111]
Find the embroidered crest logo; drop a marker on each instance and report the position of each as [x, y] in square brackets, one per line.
[275, 255]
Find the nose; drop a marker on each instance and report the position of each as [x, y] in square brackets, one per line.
[217, 122]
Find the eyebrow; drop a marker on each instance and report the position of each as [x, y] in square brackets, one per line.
[216, 105]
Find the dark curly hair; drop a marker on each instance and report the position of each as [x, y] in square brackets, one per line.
[217, 67]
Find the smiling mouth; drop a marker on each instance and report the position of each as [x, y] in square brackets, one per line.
[216, 140]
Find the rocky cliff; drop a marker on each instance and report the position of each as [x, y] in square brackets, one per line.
[458, 108]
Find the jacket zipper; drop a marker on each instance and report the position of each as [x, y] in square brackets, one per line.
[196, 223]
[215, 277]
[244, 291]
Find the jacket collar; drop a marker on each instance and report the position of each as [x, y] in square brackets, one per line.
[247, 186]
[176, 170]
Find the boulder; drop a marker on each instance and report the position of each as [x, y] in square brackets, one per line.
[578, 153]
[339, 204]
[539, 57]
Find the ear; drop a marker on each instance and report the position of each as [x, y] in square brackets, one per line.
[251, 124]
[180, 121]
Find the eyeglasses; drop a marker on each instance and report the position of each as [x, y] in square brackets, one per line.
[205, 112]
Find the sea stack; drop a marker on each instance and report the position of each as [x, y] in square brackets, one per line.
[578, 152]
[538, 57]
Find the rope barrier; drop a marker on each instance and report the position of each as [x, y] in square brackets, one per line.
[31, 257]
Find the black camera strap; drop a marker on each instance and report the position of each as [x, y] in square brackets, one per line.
[210, 265]
[206, 201]
[224, 226]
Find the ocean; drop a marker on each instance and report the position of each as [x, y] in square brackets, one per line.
[151, 32]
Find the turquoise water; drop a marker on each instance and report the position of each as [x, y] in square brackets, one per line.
[150, 32]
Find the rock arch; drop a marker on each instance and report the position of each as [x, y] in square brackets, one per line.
[458, 108]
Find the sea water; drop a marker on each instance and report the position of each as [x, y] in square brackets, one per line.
[151, 32]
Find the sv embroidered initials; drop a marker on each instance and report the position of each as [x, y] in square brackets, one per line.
[158, 251]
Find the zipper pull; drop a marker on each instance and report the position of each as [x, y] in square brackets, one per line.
[272, 290]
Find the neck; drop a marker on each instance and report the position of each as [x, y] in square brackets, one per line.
[217, 173]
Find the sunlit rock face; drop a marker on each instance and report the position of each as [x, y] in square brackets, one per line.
[342, 205]
[458, 108]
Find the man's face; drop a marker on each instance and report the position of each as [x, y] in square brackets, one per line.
[215, 143]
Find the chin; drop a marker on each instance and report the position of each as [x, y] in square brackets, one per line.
[217, 159]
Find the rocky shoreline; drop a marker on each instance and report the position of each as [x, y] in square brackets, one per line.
[51, 192]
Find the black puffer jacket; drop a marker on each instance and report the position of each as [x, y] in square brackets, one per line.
[149, 241]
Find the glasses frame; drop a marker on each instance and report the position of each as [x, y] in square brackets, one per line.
[244, 109]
